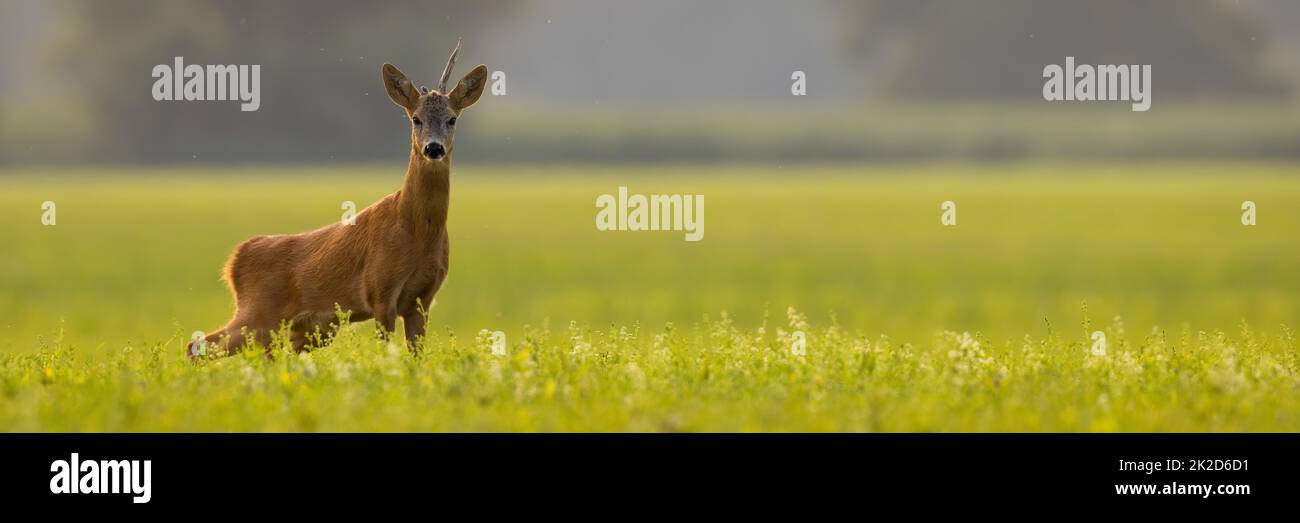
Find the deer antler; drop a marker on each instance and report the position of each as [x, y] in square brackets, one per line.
[446, 72]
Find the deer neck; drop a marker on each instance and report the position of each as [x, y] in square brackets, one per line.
[425, 194]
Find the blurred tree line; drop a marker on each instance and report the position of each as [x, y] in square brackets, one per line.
[87, 99]
[102, 53]
[961, 49]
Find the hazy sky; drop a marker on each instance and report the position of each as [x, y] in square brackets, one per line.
[628, 50]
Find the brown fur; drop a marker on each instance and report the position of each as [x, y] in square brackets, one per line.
[389, 264]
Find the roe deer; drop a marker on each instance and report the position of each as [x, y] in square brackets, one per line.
[390, 262]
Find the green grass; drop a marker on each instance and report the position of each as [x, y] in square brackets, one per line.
[911, 326]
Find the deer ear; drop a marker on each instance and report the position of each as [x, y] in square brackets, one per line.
[399, 87]
[469, 88]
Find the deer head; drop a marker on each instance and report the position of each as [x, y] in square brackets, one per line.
[433, 114]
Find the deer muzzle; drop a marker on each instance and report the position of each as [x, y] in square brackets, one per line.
[434, 151]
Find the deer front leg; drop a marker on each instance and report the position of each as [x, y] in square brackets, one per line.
[383, 306]
[414, 316]
[385, 321]
[413, 321]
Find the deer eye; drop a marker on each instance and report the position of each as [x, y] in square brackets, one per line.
[451, 121]
[415, 120]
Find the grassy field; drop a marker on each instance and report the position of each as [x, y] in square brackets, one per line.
[911, 326]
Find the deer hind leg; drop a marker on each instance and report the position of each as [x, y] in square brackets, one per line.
[307, 339]
[313, 331]
[298, 340]
[239, 333]
[224, 342]
[257, 273]
[209, 342]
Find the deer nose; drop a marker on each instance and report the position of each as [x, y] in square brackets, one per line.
[434, 150]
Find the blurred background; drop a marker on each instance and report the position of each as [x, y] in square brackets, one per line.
[662, 81]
